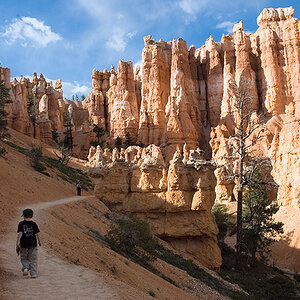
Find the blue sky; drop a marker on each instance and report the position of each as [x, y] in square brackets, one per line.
[68, 38]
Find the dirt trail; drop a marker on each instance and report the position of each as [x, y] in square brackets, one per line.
[57, 279]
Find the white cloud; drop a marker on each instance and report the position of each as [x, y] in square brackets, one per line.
[227, 25]
[73, 88]
[115, 25]
[192, 7]
[31, 32]
[118, 40]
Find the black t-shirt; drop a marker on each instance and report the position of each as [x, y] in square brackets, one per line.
[29, 230]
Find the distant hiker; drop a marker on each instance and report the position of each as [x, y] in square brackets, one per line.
[78, 186]
[28, 237]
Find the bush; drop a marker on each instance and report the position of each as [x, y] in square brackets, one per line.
[2, 151]
[35, 155]
[68, 173]
[132, 237]
[220, 212]
[151, 293]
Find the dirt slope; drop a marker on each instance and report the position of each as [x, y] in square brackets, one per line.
[73, 264]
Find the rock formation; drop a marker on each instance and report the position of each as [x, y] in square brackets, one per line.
[177, 200]
[183, 117]
[155, 90]
[185, 97]
[122, 103]
[45, 110]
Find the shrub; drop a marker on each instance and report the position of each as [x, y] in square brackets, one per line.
[151, 293]
[2, 151]
[132, 237]
[35, 155]
[220, 212]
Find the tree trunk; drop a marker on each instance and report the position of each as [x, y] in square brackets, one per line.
[240, 191]
[239, 223]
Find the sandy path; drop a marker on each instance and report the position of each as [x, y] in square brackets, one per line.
[56, 278]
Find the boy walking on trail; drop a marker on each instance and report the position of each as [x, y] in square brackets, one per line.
[27, 240]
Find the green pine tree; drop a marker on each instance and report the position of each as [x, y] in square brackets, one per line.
[99, 132]
[32, 110]
[4, 99]
[128, 141]
[118, 143]
[259, 227]
[68, 139]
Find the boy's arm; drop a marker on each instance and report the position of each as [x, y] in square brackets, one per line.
[38, 238]
[18, 239]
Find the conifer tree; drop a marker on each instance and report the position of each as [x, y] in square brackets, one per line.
[4, 99]
[259, 227]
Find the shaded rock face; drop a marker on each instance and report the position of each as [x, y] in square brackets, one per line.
[177, 200]
[285, 155]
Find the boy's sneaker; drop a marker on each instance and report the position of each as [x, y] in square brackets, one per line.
[33, 276]
[25, 272]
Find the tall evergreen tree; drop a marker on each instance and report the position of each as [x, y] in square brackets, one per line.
[32, 109]
[99, 132]
[118, 143]
[4, 99]
[128, 141]
[68, 140]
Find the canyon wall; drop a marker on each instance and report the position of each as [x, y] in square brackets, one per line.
[185, 97]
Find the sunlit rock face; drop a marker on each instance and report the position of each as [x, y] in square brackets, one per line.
[122, 103]
[176, 199]
[156, 71]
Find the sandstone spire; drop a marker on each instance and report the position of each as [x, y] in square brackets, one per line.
[156, 72]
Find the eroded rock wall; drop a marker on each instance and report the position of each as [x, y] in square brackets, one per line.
[176, 199]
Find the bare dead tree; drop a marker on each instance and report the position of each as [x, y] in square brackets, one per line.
[248, 131]
[63, 155]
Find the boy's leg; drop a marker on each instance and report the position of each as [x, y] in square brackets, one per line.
[24, 258]
[32, 256]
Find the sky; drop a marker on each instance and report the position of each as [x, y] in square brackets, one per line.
[67, 39]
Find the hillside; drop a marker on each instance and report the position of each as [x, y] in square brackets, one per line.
[69, 233]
